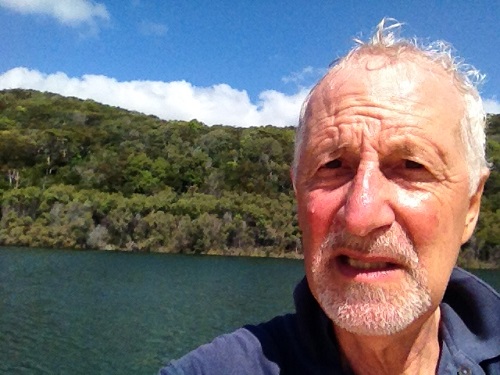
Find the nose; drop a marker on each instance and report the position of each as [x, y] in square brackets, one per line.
[367, 207]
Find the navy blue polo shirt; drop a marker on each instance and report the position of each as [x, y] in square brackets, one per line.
[304, 343]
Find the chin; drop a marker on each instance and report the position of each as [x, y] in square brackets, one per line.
[373, 310]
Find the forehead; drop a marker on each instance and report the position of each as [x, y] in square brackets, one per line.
[389, 88]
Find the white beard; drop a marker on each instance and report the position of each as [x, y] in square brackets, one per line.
[369, 309]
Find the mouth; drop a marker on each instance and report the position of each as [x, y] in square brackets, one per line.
[366, 265]
[367, 269]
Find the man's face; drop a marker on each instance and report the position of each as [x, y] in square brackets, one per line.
[382, 192]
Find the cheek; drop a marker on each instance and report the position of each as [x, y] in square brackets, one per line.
[430, 224]
[434, 226]
[420, 216]
[316, 211]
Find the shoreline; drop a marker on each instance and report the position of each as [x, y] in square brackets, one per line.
[254, 253]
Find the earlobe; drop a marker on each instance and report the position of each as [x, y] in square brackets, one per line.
[474, 208]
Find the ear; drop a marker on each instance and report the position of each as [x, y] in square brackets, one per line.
[474, 206]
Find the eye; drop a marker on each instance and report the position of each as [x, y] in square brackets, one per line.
[410, 173]
[410, 164]
[333, 164]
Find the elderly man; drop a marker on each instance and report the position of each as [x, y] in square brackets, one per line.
[388, 174]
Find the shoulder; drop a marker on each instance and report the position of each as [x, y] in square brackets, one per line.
[292, 344]
[470, 296]
[235, 353]
[471, 320]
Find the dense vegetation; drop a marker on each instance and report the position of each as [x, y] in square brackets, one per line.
[78, 174]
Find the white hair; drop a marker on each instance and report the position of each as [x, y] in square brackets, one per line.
[386, 40]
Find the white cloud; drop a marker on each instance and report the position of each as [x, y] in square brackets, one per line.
[307, 74]
[152, 28]
[180, 100]
[68, 12]
[491, 105]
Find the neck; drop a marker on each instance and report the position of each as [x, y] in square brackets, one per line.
[413, 351]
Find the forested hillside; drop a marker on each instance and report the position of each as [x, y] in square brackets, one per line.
[78, 174]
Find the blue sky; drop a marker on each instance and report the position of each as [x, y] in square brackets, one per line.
[246, 62]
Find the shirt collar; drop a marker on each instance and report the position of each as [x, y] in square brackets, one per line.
[470, 317]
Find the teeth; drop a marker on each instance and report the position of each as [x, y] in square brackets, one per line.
[366, 265]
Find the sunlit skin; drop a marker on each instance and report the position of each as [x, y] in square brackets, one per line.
[382, 148]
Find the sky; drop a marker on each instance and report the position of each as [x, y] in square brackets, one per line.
[240, 63]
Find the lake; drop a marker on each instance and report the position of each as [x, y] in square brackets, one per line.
[91, 312]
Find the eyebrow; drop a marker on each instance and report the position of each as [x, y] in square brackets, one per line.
[405, 145]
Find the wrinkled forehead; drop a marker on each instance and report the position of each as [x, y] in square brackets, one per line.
[394, 81]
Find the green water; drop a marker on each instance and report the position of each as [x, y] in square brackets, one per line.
[69, 312]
